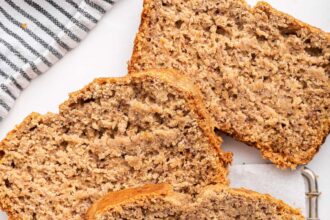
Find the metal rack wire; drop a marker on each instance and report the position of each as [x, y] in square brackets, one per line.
[312, 193]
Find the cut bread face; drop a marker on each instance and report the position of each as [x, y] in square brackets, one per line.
[115, 133]
[159, 201]
[264, 75]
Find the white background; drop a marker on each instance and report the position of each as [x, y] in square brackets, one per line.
[107, 49]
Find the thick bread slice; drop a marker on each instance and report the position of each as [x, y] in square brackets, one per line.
[113, 134]
[214, 202]
[264, 75]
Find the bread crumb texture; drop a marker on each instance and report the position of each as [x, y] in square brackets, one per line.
[264, 75]
[113, 134]
[214, 202]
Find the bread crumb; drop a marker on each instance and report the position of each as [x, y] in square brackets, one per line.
[24, 25]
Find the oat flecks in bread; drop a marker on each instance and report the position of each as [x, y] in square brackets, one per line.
[264, 75]
[113, 134]
[214, 202]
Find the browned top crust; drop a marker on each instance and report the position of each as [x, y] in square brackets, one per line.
[127, 195]
[264, 75]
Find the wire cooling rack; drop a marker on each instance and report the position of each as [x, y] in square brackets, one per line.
[312, 193]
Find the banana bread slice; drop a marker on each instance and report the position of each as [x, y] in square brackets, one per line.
[115, 133]
[264, 75]
[158, 201]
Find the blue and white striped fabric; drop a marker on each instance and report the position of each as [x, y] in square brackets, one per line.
[35, 34]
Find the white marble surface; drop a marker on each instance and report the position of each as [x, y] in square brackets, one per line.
[107, 49]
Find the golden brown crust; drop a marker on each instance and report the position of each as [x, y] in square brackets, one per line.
[114, 199]
[139, 35]
[282, 161]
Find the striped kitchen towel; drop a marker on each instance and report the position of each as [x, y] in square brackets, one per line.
[35, 34]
